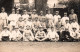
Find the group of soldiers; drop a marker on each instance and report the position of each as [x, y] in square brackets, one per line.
[34, 27]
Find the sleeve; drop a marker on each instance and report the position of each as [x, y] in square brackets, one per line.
[76, 17]
[23, 34]
[57, 35]
[48, 35]
[32, 34]
[45, 34]
[36, 35]
[1, 35]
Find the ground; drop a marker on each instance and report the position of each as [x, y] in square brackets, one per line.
[39, 46]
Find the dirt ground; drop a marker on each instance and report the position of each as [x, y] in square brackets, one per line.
[39, 46]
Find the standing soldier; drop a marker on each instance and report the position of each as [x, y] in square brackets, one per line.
[12, 19]
[5, 34]
[42, 20]
[73, 16]
[50, 19]
[56, 17]
[25, 15]
[63, 20]
[49, 16]
[33, 15]
[18, 15]
[4, 16]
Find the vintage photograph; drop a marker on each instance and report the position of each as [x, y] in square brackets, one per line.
[39, 25]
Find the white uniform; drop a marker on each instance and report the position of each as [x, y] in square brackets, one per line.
[52, 35]
[68, 26]
[49, 16]
[21, 25]
[63, 20]
[13, 18]
[4, 17]
[56, 18]
[75, 25]
[25, 17]
[41, 17]
[15, 35]
[28, 35]
[34, 15]
[40, 36]
[18, 16]
[36, 25]
[75, 34]
[51, 24]
[5, 33]
[73, 16]
[29, 23]
[1, 25]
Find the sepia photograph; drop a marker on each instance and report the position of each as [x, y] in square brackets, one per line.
[39, 25]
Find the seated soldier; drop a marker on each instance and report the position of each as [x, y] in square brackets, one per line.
[21, 24]
[63, 20]
[74, 34]
[66, 35]
[53, 35]
[78, 34]
[5, 34]
[15, 35]
[29, 22]
[58, 26]
[75, 24]
[28, 35]
[35, 25]
[68, 25]
[40, 35]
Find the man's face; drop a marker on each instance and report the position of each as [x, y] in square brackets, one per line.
[72, 11]
[25, 12]
[3, 10]
[20, 19]
[41, 29]
[48, 12]
[57, 13]
[36, 19]
[5, 29]
[65, 15]
[16, 29]
[67, 21]
[41, 12]
[13, 12]
[27, 27]
[34, 12]
[74, 20]
[59, 19]
[17, 11]
[52, 29]
[74, 29]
